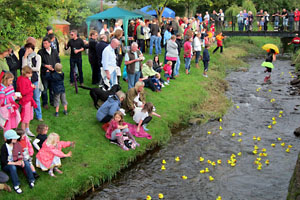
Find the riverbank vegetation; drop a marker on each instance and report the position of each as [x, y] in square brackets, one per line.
[95, 160]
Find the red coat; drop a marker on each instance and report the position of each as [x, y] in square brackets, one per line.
[47, 153]
[24, 86]
[297, 16]
[187, 49]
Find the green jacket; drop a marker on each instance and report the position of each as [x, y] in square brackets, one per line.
[147, 71]
[139, 33]
[128, 103]
[3, 65]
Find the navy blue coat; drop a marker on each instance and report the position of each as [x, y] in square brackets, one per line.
[57, 81]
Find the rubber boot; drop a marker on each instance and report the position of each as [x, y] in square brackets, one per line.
[121, 143]
[133, 139]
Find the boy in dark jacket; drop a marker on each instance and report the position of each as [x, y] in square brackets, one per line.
[57, 83]
[205, 60]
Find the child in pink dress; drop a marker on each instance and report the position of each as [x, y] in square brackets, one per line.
[26, 88]
[48, 157]
[168, 71]
[10, 116]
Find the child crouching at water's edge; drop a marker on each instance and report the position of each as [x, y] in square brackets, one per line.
[116, 130]
[48, 158]
[143, 115]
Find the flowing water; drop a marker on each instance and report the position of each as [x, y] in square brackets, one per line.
[251, 115]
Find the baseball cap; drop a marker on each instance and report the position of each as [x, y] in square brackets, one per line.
[11, 134]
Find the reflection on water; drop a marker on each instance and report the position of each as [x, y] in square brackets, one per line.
[242, 181]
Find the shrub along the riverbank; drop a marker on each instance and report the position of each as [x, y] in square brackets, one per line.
[94, 159]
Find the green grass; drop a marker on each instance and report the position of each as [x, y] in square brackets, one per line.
[94, 159]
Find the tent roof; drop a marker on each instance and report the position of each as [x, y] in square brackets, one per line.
[114, 13]
[167, 11]
[59, 21]
[146, 16]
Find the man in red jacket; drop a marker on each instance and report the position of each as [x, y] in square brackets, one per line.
[296, 42]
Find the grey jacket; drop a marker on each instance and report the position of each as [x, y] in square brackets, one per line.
[172, 50]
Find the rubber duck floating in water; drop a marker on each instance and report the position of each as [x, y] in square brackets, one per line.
[163, 162]
[202, 171]
[279, 139]
[258, 138]
[163, 167]
[184, 177]
[211, 178]
[267, 162]
[233, 134]
[240, 133]
[220, 120]
[201, 159]
[273, 145]
[177, 159]
[208, 132]
[219, 162]
[220, 128]
[148, 197]
[270, 126]
[160, 196]
[219, 198]
[237, 107]
[287, 150]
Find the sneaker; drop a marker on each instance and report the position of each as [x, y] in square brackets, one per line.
[145, 127]
[205, 75]
[166, 83]
[56, 114]
[136, 144]
[31, 184]
[18, 190]
[29, 133]
[36, 176]
[162, 85]
[51, 174]
[65, 112]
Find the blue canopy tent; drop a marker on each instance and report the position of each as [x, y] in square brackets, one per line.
[167, 11]
[115, 13]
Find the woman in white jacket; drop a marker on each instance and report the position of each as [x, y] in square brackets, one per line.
[197, 48]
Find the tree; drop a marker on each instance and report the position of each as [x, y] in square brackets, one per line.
[249, 6]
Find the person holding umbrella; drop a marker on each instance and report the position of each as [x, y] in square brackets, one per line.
[271, 57]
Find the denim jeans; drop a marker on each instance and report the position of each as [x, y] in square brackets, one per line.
[116, 131]
[159, 44]
[36, 97]
[12, 171]
[285, 22]
[198, 53]
[187, 63]
[177, 66]
[78, 62]
[133, 78]
[113, 78]
[153, 39]
[46, 84]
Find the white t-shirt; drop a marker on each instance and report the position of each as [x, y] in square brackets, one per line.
[9, 151]
[139, 115]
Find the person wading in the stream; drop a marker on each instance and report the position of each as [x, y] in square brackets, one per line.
[268, 64]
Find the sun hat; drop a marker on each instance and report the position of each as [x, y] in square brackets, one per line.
[11, 135]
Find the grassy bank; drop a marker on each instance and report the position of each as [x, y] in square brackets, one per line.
[95, 160]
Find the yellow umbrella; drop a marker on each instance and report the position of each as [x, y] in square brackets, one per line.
[267, 47]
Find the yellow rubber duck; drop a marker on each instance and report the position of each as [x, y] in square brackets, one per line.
[256, 147]
[209, 161]
[273, 145]
[279, 115]
[270, 126]
[254, 152]
[233, 134]
[274, 122]
[160, 196]
[259, 167]
[201, 159]
[232, 156]
[232, 164]
[208, 132]
[279, 139]
[258, 159]
[257, 90]
[163, 162]
[163, 167]
[273, 118]
[240, 140]
[229, 161]
[239, 153]
[237, 107]
[287, 150]
[261, 154]
[267, 162]
[282, 144]
[219, 198]
[281, 112]
[211, 178]
[177, 159]
[254, 137]
[290, 146]
[265, 154]
[213, 163]
[148, 197]
[263, 149]
[240, 133]
[219, 162]
[220, 120]
[202, 171]
[258, 138]
[184, 177]
[220, 128]
[270, 90]
[206, 170]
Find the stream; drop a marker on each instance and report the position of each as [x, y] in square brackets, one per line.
[255, 104]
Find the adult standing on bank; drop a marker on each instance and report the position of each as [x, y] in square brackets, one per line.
[49, 58]
[101, 45]
[77, 46]
[54, 43]
[93, 56]
[295, 42]
[155, 38]
[109, 63]
[296, 19]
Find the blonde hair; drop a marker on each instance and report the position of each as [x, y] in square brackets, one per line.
[26, 69]
[169, 62]
[6, 76]
[52, 139]
[58, 67]
[118, 33]
[120, 114]
[139, 84]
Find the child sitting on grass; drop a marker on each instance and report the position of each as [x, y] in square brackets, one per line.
[116, 130]
[27, 150]
[57, 84]
[156, 81]
[168, 71]
[42, 131]
[143, 115]
[48, 158]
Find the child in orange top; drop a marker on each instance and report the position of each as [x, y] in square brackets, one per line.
[168, 71]
[27, 102]
[219, 38]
